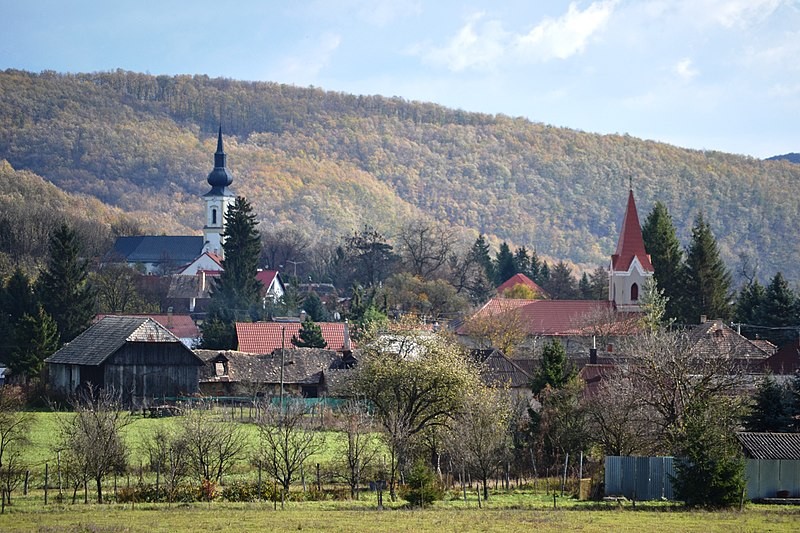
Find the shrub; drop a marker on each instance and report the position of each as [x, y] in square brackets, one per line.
[239, 491]
[421, 488]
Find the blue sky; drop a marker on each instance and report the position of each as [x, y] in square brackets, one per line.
[706, 74]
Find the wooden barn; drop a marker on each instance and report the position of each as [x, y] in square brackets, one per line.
[132, 354]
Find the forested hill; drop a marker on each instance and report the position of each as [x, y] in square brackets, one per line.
[331, 162]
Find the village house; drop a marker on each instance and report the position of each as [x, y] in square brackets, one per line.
[136, 356]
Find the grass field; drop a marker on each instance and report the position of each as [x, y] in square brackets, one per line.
[516, 510]
[353, 516]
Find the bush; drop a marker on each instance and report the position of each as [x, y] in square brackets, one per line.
[421, 488]
[147, 493]
[239, 491]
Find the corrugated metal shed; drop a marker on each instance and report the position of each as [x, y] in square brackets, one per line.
[785, 446]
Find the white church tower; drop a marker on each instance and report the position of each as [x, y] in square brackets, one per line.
[630, 264]
[217, 201]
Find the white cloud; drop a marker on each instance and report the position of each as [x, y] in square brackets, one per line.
[728, 13]
[303, 68]
[684, 69]
[566, 36]
[482, 44]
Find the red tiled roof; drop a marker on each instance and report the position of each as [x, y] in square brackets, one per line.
[266, 337]
[266, 277]
[549, 317]
[631, 243]
[521, 279]
[182, 326]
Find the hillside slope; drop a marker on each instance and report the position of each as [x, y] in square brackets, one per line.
[330, 162]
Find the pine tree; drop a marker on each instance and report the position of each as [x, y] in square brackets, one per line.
[554, 371]
[480, 253]
[504, 267]
[312, 304]
[708, 281]
[236, 293]
[526, 262]
[772, 410]
[661, 242]
[63, 288]
[309, 336]
[585, 287]
[544, 275]
[748, 306]
[237, 287]
[598, 281]
[562, 285]
[778, 309]
[36, 339]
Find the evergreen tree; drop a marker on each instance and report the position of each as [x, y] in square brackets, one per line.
[772, 410]
[661, 242]
[748, 305]
[310, 336]
[236, 293]
[598, 281]
[562, 285]
[36, 339]
[18, 298]
[526, 262]
[708, 281]
[237, 287]
[312, 304]
[63, 288]
[778, 309]
[554, 370]
[585, 287]
[709, 470]
[480, 253]
[504, 266]
[544, 275]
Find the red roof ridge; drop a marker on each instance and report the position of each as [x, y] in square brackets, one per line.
[521, 279]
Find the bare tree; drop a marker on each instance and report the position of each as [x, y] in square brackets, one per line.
[673, 374]
[620, 422]
[425, 247]
[213, 443]
[91, 438]
[14, 425]
[480, 436]
[359, 449]
[286, 440]
[168, 458]
[283, 245]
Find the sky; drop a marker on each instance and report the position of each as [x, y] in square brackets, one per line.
[704, 74]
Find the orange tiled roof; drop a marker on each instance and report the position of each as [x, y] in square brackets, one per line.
[266, 337]
[550, 317]
[521, 279]
[631, 243]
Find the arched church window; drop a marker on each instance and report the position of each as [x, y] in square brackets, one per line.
[634, 292]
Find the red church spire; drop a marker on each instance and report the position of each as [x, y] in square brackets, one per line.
[631, 243]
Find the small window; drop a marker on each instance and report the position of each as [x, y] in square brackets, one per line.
[213, 216]
[219, 368]
[634, 292]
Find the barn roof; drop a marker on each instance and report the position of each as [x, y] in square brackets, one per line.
[770, 445]
[108, 335]
[499, 371]
[181, 326]
[713, 338]
[266, 337]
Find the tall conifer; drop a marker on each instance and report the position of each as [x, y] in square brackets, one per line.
[63, 288]
[661, 242]
[708, 281]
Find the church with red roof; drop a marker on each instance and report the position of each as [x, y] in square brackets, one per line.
[630, 263]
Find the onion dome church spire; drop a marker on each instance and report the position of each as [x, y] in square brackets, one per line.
[217, 201]
[219, 177]
[630, 264]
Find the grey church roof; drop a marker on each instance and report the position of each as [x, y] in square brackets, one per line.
[178, 250]
[108, 335]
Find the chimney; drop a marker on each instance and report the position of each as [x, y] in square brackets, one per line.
[592, 356]
[202, 280]
[303, 315]
[703, 319]
[346, 348]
